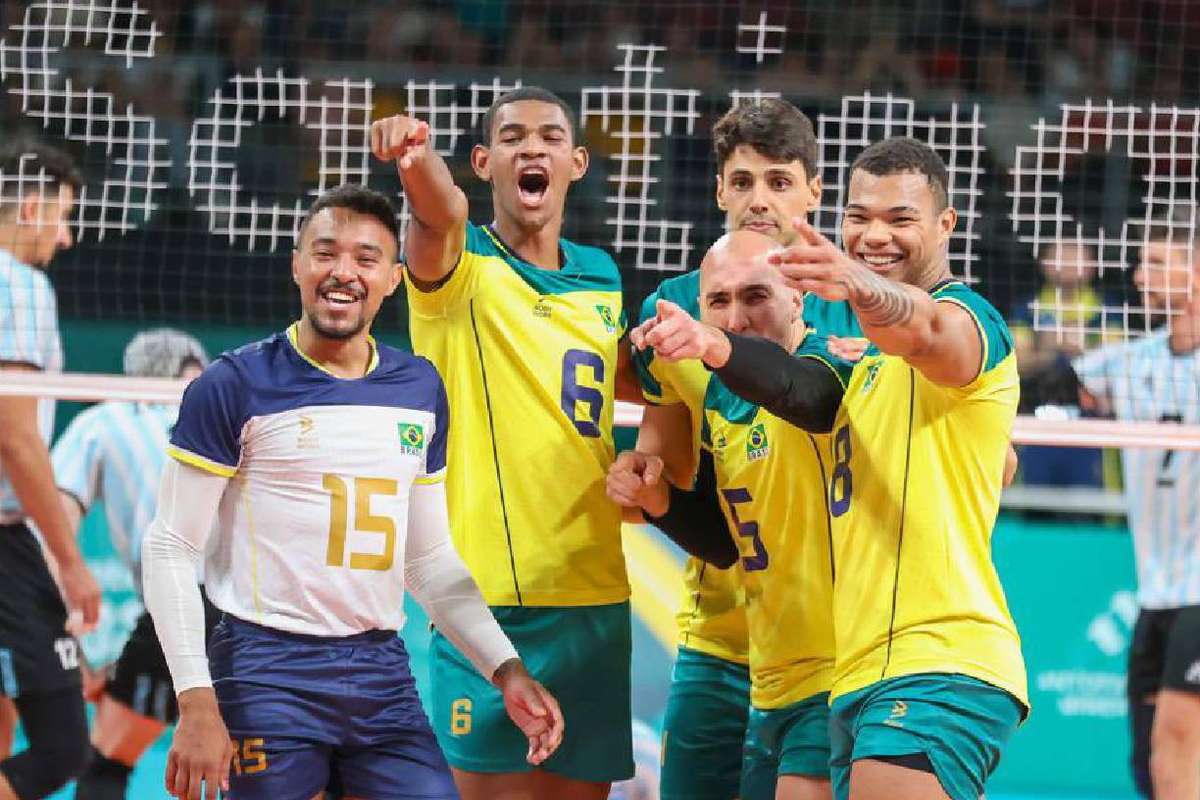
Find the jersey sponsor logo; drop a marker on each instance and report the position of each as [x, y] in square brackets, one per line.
[899, 711]
[757, 445]
[541, 308]
[412, 438]
[872, 374]
[307, 438]
[606, 316]
[1193, 673]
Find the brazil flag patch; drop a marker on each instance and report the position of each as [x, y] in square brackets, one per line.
[412, 437]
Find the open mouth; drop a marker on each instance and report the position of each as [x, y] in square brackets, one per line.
[881, 262]
[341, 296]
[532, 184]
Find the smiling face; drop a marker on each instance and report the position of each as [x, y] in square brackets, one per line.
[892, 225]
[761, 195]
[531, 161]
[740, 292]
[345, 266]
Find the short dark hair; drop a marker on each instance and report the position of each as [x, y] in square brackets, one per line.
[358, 199]
[526, 93]
[29, 157]
[906, 154]
[774, 128]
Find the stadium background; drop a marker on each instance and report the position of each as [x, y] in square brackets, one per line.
[204, 128]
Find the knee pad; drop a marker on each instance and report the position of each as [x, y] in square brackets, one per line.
[56, 726]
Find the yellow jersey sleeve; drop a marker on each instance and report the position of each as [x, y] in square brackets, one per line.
[459, 287]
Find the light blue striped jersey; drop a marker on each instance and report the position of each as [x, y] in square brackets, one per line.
[1145, 381]
[115, 452]
[28, 335]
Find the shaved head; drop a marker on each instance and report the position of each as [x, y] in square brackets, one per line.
[740, 291]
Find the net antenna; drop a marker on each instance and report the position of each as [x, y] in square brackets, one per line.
[341, 116]
[867, 118]
[1165, 142]
[134, 153]
[638, 115]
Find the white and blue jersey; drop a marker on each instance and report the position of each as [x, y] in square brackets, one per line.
[28, 335]
[310, 533]
[115, 452]
[1144, 381]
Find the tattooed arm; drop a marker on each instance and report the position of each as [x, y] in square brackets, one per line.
[939, 339]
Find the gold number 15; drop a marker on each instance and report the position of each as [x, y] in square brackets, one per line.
[364, 521]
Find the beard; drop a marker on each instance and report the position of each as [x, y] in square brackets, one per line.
[334, 333]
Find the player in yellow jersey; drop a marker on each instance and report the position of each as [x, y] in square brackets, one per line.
[771, 476]
[930, 681]
[524, 327]
[766, 155]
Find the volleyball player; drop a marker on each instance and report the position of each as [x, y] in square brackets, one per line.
[321, 456]
[39, 658]
[524, 325]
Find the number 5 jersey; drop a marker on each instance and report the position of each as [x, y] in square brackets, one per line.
[529, 356]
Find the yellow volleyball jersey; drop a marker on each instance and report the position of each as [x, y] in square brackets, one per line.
[711, 616]
[913, 494]
[771, 479]
[528, 357]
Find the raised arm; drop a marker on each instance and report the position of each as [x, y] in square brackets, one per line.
[940, 339]
[436, 237]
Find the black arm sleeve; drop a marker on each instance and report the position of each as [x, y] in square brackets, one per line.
[802, 391]
[694, 520]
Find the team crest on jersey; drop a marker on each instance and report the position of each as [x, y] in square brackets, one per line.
[606, 316]
[541, 308]
[412, 438]
[757, 445]
[307, 438]
[872, 374]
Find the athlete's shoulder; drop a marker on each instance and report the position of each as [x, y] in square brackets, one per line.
[398, 365]
[993, 329]
[682, 290]
[815, 345]
[731, 408]
[595, 264]
[829, 317]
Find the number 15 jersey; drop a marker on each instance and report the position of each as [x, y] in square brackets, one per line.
[311, 529]
[529, 357]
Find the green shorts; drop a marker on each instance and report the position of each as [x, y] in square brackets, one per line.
[704, 728]
[581, 655]
[793, 740]
[959, 723]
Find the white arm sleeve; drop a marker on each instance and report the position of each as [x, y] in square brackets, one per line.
[188, 498]
[438, 580]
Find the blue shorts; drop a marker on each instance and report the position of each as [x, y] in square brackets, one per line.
[309, 712]
[959, 723]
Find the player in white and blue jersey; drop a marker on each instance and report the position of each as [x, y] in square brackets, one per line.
[39, 658]
[1157, 379]
[321, 456]
[115, 452]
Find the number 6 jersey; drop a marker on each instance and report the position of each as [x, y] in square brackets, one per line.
[310, 532]
[529, 357]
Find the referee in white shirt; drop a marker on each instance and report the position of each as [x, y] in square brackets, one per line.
[1157, 378]
[115, 452]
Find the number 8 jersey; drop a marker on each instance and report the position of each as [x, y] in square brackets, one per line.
[310, 533]
[529, 357]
